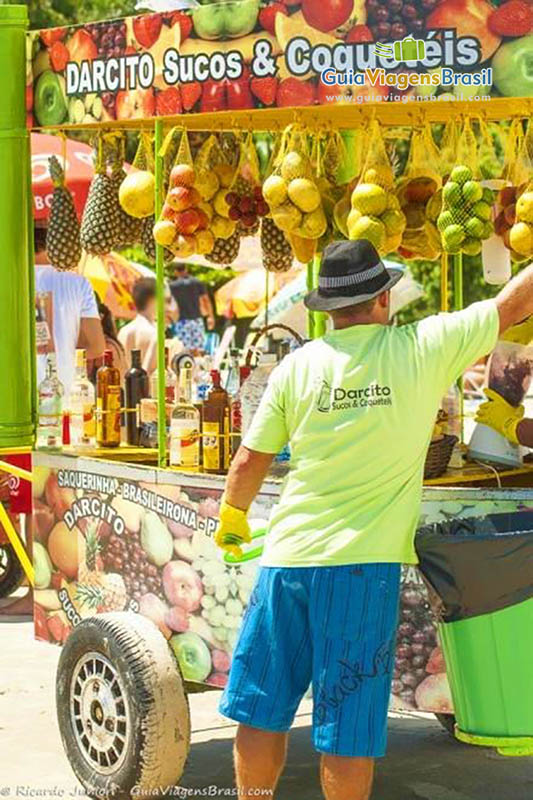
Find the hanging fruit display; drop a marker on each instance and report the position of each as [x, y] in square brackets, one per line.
[100, 220]
[225, 251]
[148, 242]
[130, 229]
[244, 200]
[465, 219]
[275, 248]
[521, 233]
[63, 234]
[137, 190]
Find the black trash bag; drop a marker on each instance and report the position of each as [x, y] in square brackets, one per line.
[478, 565]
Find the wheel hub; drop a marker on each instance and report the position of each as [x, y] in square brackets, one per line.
[99, 713]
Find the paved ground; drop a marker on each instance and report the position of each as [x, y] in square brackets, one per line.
[424, 763]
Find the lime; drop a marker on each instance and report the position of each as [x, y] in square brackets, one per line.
[488, 195]
[452, 194]
[461, 174]
[471, 246]
[472, 192]
[445, 219]
[474, 227]
[453, 236]
[482, 210]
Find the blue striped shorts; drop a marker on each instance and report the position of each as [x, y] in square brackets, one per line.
[333, 627]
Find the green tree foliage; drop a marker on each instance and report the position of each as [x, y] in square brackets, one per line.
[51, 13]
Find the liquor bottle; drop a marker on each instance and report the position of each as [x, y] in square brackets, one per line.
[185, 426]
[233, 384]
[81, 404]
[137, 388]
[49, 423]
[170, 382]
[215, 428]
[236, 412]
[108, 403]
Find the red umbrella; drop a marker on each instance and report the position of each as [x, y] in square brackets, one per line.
[79, 170]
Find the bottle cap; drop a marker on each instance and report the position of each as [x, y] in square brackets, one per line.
[108, 358]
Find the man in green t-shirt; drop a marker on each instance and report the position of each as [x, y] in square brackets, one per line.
[358, 407]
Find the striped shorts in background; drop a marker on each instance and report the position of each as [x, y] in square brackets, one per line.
[334, 627]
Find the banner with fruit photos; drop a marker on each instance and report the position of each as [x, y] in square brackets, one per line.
[245, 54]
[115, 538]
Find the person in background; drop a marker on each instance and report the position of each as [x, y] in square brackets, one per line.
[141, 332]
[111, 343]
[194, 305]
[75, 319]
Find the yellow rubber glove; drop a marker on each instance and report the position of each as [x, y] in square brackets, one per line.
[233, 529]
[498, 414]
[521, 333]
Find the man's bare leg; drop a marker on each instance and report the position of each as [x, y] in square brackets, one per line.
[346, 778]
[259, 760]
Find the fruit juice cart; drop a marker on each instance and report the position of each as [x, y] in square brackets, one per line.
[126, 573]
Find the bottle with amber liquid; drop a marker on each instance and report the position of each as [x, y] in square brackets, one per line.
[216, 450]
[108, 403]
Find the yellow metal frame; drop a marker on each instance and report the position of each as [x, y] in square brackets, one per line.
[12, 534]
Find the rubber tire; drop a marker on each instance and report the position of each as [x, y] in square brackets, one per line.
[157, 703]
[12, 576]
[448, 723]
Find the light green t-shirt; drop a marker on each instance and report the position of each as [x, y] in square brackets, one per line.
[358, 408]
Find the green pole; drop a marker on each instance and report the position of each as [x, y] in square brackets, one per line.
[459, 304]
[320, 317]
[160, 279]
[310, 314]
[17, 307]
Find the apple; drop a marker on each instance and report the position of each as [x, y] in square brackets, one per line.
[512, 68]
[135, 104]
[42, 566]
[217, 679]
[152, 607]
[81, 46]
[193, 656]
[147, 29]
[221, 660]
[241, 17]
[182, 585]
[182, 175]
[433, 694]
[180, 198]
[468, 18]
[50, 106]
[324, 15]
[177, 619]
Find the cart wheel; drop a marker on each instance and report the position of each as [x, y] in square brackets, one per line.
[122, 710]
[11, 572]
[448, 722]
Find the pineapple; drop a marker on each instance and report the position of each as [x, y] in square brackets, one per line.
[100, 222]
[225, 251]
[90, 569]
[148, 241]
[108, 595]
[277, 252]
[63, 234]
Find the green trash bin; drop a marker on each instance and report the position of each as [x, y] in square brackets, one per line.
[482, 572]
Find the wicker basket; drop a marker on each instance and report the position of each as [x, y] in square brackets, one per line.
[438, 457]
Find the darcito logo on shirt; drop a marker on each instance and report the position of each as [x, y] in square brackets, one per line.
[337, 398]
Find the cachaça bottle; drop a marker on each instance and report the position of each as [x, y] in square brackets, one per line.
[81, 406]
[136, 389]
[170, 382]
[49, 422]
[216, 447]
[185, 426]
[108, 403]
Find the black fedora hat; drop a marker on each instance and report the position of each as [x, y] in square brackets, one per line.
[350, 273]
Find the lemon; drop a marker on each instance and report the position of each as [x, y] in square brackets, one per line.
[474, 227]
[369, 198]
[369, 228]
[453, 236]
[275, 190]
[521, 238]
[472, 192]
[524, 207]
[394, 222]
[287, 217]
[294, 165]
[313, 225]
[471, 246]
[304, 194]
